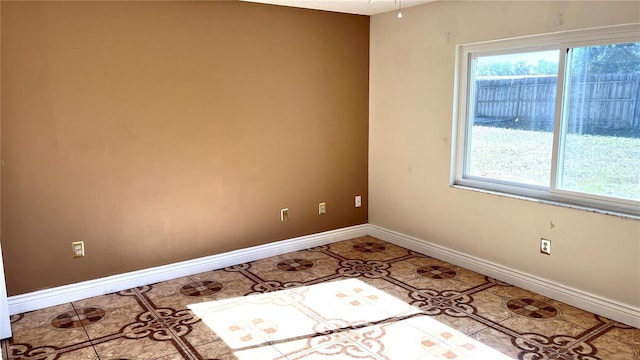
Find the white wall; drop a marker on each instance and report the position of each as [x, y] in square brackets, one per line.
[411, 102]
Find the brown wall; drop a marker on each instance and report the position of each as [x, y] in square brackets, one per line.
[164, 131]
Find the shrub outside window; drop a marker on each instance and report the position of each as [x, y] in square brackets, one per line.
[553, 117]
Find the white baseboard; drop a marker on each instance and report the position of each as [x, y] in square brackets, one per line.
[611, 309]
[73, 292]
[623, 313]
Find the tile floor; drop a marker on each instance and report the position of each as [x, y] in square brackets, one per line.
[165, 320]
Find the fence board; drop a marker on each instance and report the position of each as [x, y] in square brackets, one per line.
[606, 101]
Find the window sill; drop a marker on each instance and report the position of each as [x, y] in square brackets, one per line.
[549, 202]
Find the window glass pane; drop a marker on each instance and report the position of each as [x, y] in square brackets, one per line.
[602, 133]
[511, 119]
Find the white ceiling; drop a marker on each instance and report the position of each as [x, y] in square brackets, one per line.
[361, 7]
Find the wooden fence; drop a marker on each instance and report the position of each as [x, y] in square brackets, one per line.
[608, 101]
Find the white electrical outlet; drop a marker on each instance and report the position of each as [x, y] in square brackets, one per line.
[78, 248]
[358, 200]
[322, 208]
[545, 246]
[284, 214]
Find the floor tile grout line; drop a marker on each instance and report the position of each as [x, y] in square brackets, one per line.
[514, 334]
[144, 303]
[628, 343]
[181, 346]
[191, 349]
[84, 328]
[403, 258]
[250, 275]
[341, 330]
[59, 350]
[591, 333]
[106, 338]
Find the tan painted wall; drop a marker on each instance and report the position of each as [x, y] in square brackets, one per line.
[164, 131]
[411, 95]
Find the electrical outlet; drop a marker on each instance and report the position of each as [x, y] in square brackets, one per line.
[358, 200]
[545, 246]
[78, 248]
[284, 214]
[322, 208]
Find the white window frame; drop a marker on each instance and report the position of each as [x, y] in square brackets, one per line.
[463, 93]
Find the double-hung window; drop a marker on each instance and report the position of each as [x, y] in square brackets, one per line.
[553, 117]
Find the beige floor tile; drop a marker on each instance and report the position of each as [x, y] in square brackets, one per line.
[181, 302]
[421, 282]
[428, 261]
[424, 271]
[363, 267]
[282, 276]
[199, 334]
[464, 324]
[216, 350]
[39, 318]
[234, 284]
[325, 267]
[49, 336]
[324, 274]
[20, 351]
[398, 292]
[611, 349]
[626, 334]
[106, 302]
[498, 341]
[118, 320]
[514, 292]
[175, 356]
[265, 265]
[425, 337]
[574, 315]
[404, 270]
[58, 327]
[139, 349]
[469, 277]
[339, 346]
[545, 327]
[490, 306]
[81, 354]
[167, 288]
[368, 248]
[380, 283]
[433, 302]
[256, 324]
[306, 254]
[438, 272]
[200, 288]
[179, 322]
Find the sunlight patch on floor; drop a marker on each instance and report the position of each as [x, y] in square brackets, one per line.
[345, 319]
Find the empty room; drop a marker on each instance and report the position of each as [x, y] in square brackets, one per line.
[282, 179]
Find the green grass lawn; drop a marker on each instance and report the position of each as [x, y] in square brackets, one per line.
[603, 165]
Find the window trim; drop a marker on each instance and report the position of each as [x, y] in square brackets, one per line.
[463, 92]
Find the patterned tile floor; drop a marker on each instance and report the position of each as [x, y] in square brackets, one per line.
[156, 322]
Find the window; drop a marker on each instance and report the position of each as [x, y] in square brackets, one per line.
[554, 117]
